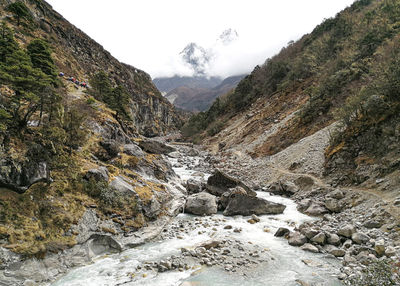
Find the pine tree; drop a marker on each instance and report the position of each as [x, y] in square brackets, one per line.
[20, 11]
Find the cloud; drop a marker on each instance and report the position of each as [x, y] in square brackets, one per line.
[150, 34]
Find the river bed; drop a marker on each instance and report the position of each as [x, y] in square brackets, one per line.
[277, 263]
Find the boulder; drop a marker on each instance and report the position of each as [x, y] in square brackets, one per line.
[296, 239]
[133, 150]
[316, 209]
[319, 238]
[201, 204]
[347, 231]
[333, 205]
[282, 231]
[219, 183]
[309, 247]
[282, 188]
[99, 175]
[360, 238]
[101, 244]
[333, 239]
[247, 205]
[155, 147]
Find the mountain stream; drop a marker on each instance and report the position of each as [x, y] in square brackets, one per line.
[271, 262]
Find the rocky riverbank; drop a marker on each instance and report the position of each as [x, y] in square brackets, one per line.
[352, 228]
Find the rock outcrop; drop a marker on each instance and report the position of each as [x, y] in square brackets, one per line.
[19, 176]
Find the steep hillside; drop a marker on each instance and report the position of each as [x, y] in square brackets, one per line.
[74, 164]
[79, 56]
[199, 99]
[345, 71]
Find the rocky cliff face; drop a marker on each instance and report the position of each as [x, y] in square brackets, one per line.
[78, 55]
[78, 158]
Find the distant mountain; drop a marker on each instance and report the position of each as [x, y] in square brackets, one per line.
[197, 92]
[196, 57]
[199, 99]
[166, 84]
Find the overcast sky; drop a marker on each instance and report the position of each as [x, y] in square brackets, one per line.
[149, 34]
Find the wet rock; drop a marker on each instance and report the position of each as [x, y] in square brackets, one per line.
[155, 147]
[347, 231]
[98, 175]
[309, 247]
[281, 232]
[296, 239]
[255, 218]
[283, 188]
[133, 150]
[360, 238]
[219, 183]
[201, 203]
[248, 205]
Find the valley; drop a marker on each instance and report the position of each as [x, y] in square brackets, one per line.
[287, 175]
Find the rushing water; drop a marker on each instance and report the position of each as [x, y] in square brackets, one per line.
[287, 267]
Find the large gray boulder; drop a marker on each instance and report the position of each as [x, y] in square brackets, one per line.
[155, 147]
[247, 205]
[219, 183]
[201, 204]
